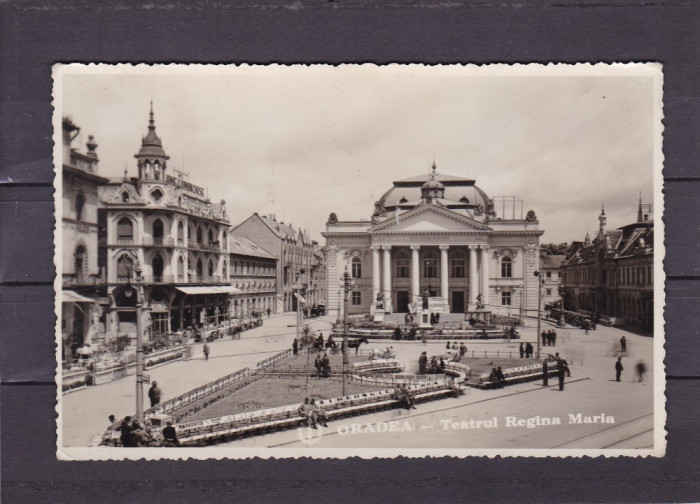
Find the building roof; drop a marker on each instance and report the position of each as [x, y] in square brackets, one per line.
[151, 145]
[457, 191]
[243, 246]
[551, 261]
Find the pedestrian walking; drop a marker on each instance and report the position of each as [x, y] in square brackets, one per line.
[623, 344]
[295, 346]
[268, 312]
[318, 365]
[641, 370]
[529, 350]
[545, 374]
[206, 351]
[562, 374]
[462, 350]
[154, 394]
[422, 363]
[554, 337]
[522, 350]
[618, 369]
[544, 338]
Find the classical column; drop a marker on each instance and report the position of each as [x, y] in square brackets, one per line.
[444, 291]
[376, 274]
[415, 273]
[485, 274]
[473, 278]
[386, 284]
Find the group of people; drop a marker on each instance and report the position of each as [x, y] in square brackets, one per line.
[641, 369]
[311, 414]
[461, 347]
[436, 366]
[434, 318]
[497, 377]
[136, 434]
[322, 365]
[549, 338]
[405, 397]
[526, 350]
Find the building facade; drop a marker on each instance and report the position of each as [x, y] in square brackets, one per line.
[254, 274]
[167, 228]
[550, 266]
[299, 258]
[82, 275]
[611, 277]
[440, 236]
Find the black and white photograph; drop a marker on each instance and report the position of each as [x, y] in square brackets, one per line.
[359, 261]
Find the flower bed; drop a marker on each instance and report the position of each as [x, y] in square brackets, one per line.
[74, 380]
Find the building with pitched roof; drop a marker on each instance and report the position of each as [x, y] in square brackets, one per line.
[300, 260]
[550, 266]
[611, 277]
[254, 274]
[438, 236]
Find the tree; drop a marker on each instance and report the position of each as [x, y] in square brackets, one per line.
[307, 340]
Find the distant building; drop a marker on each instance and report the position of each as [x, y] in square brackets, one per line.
[82, 276]
[436, 236]
[254, 274]
[550, 266]
[294, 250]
[167, 227]
[612, 277]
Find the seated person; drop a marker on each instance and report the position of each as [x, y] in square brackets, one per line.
[307, 413]
[499, 375]
[493, 377]
[318, 414]
[404, 396]
[170, 435]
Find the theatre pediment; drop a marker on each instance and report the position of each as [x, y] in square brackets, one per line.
[429, 219]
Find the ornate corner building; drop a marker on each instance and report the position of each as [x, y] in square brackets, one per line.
[611, 277]
[441, 235]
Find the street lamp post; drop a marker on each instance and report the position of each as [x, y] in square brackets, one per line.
[539, 307]
[347, 283]
[139, 343]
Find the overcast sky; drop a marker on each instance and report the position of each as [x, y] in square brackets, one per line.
[302, 142]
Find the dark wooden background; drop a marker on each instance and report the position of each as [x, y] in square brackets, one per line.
[34, 34]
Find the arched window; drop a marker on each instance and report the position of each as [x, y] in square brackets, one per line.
[180, 269]
[430, 264]
[457, 265]
[403, 264]
[210, 237]
[156, 171]
[211, 268]
[125, 197]
[79, 204]
[180, 233]
[157, 195]
[199, 268]
[506, 267]
[157, 265]
[157, 232]
[199, 235]
[80, 261]
[356, 267]
[125, 266]
[224, 272]
[224, 243]
[125, 229]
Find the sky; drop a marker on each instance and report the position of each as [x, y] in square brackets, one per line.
[301, 142]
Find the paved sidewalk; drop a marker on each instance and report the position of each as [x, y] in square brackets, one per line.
[85, 412]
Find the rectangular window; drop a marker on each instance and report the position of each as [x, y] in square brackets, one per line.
[402, 268]
[457, 268]
[549, 275]
[549, 293]
[506, 268]
[505, 298]
[356, 298]
[430, 268]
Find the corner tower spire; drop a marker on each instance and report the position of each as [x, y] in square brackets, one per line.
[152, 159]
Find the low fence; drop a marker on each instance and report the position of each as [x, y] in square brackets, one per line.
[74, 380]
[432, 334]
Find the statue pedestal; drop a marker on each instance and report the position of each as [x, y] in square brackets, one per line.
[425, 320]
[378, 315]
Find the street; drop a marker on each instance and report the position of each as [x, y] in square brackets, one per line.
[479, 419]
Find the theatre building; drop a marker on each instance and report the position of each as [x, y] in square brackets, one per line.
[438, 236]
[167, 228]
[611, 278]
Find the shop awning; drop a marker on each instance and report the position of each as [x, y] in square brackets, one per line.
[222, 289]
[70, 296]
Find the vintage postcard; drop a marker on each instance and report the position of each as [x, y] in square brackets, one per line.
[359, 260]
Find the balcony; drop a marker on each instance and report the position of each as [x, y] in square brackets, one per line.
[149, 241]
[73, 280]
[212, 247]
[173, 279]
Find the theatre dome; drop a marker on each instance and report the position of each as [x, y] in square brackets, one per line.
[455, 192]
